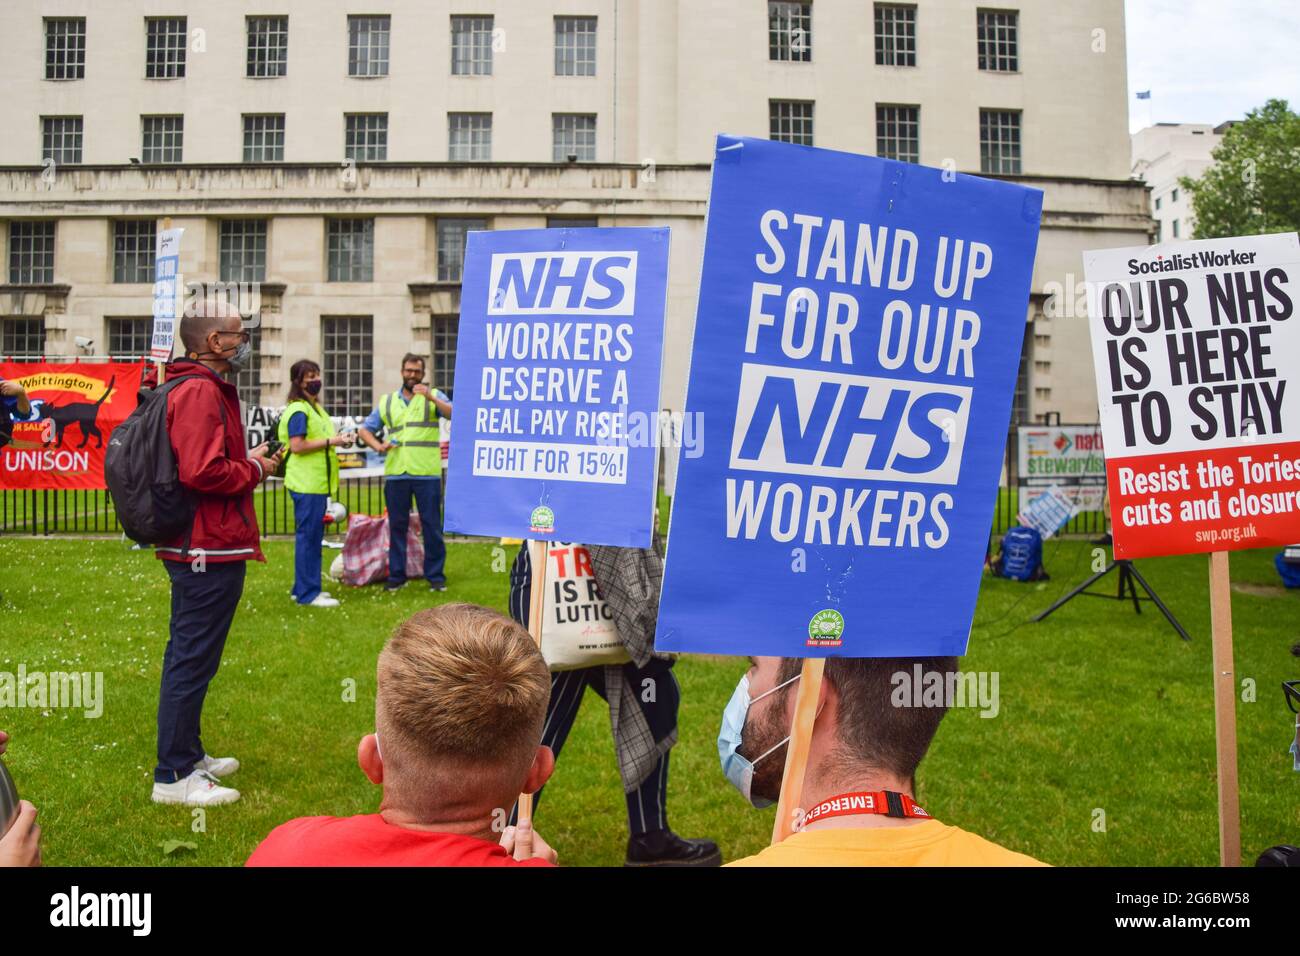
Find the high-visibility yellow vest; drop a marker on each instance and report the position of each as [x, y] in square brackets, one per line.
[412, 427]
[316, 472]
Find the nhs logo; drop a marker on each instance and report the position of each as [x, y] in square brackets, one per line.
[834, 425]
[562, 283]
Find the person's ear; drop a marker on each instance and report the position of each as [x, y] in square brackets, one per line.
[828, 702]
[541, 770]
[368, 759]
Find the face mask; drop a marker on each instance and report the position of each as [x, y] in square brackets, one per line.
[243, 352]
[312, 388]
[737, 768]
[240, 359]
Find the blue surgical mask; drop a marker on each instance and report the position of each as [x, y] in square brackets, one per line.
[737, 768]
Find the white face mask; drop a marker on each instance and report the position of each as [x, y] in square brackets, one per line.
[738, 768]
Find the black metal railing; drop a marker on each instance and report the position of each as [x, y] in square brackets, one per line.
[91, 512]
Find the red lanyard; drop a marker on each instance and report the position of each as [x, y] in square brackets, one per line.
[886, 802]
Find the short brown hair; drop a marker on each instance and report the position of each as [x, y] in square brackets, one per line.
[462, 688]
[874, 734]
[412, 357]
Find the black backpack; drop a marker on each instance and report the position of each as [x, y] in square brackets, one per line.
[140, 470]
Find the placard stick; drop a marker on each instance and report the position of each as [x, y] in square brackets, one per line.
[538, 558]
[1225, 710]
[796, 754]
[162, 365]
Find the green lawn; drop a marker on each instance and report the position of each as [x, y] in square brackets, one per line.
[1100, 709]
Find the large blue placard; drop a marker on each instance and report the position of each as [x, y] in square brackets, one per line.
[857, 341]
[556, 402]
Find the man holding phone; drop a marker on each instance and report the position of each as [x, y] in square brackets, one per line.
[412, 469]
[206, 564]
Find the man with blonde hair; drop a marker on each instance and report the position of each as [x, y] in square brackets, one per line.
[458, 726]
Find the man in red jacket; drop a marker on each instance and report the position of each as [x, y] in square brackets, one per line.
[206, 564]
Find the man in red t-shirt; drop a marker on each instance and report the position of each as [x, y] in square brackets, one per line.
[458, 716]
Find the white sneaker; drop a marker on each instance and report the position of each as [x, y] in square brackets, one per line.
[325, 593]
[199, 789]
[322, 600]
[218, 766]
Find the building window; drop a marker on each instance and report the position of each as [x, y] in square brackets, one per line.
[22, 338]
[268, 46]
[451, 246]
[898, 133]
[1000, 141]
[1173, 196]
[65, 48]
[61, 139]
[791, 121]
[575, 46]
[249, 379]
[789, 31]
[469, 137]
[129, 339]
[442, 356]
[573, 137]
[243, 250]
[165, 46]
[1020, 410]
[997, 40]
[350, 245]
[1157, 204]
[349, 364]
[1176, 233]
[895, 35]
[368, 46]
[264, 138]
[570, 222]
[1159, 231]
[31, 252]
[367, 137]
[164, 137]
[133, 250]
[471, 46]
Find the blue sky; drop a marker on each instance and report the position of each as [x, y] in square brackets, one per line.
[1206, 61]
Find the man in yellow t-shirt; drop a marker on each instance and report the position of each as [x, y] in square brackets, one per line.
[868, 739]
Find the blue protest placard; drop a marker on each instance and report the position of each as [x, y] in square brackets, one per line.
[856, 346]
[167, 252]
[558, 364]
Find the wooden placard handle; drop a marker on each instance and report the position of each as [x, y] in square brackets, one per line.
[538, 559]
[796, 754]
[1225, 710]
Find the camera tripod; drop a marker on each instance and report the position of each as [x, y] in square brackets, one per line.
[1129, 579]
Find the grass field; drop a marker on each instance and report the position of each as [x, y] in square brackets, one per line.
[1100, 709]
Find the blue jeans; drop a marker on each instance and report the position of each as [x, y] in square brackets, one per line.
[309, 516]
[203, 605]
[428, 499]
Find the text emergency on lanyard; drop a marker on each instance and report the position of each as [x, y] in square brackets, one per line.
[886, 802]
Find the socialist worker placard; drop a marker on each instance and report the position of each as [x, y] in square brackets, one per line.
[1197, 348]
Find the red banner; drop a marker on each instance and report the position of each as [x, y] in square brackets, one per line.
[75, 408]
[1219, 499]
